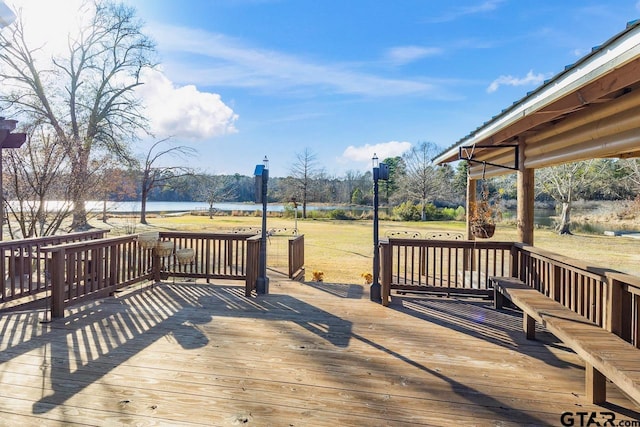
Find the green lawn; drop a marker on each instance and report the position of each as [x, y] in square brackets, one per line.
[343, 250]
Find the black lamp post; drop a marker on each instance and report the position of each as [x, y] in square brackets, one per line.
[262, 177]
[380, 171]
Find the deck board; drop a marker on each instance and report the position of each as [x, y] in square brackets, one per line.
[304, 355]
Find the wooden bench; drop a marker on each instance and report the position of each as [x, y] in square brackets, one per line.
[605, 354]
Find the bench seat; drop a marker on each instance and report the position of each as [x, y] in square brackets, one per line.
[605, 354]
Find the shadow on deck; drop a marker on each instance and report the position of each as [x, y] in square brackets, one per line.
[306, 354]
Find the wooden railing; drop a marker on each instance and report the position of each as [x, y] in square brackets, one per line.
[217, 255]
[607, 298]
[93, 269]
[24, 266]
[623, 306]
[296, 257]
[449, 266]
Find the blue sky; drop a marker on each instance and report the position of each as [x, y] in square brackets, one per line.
[241, 79]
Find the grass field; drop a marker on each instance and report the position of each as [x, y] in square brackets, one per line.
[343, 250]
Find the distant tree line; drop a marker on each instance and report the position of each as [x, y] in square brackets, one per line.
[413, 178]
[415, 188]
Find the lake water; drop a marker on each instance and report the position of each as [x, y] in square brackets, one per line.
[125, 207]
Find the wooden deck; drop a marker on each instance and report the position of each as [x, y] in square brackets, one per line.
[304, 355]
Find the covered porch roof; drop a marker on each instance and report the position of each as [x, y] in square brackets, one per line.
[589, 110]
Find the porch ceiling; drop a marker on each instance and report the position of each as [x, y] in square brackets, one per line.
[589, 110]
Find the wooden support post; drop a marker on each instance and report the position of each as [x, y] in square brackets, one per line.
[498, 298]
[556, 283]
[613, 307]
[471, 199]
[525, 198]
[57, 283]
[228, 253]
[595, 384]
[386, 266]
[113, 266]
[529, 326]
[157, 267]
[515, 262]
[468, 255]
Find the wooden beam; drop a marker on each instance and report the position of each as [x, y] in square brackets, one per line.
[605, 146]
[471, 198]
[525, 198]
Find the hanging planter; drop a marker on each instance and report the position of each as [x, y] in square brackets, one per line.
[185, 256]
[164, 248]
[148, 240]
[484, 213]
[483, 231]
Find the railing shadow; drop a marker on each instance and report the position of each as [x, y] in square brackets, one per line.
[338, 289]
[111, 331]
[478, 319]
[98, 337]
[466, 392]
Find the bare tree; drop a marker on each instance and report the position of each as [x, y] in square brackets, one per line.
[421, 180]
[154, 175]
[567, 182]
[86, 97]
[214, 189]
[303, 170]
[113, 183]
[37, 178]
[632, 166]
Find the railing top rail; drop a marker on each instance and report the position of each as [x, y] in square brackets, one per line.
[624, 278]
[200, 234]
[44, 240]
[601, 273]
[448, 243]
[131, 237]
[568, 262]
[90, 243]
[296, 238]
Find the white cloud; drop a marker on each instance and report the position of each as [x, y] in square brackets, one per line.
[579, 53]
[459, 12]
[184, 111]
[227, 61]
[405, 54]
[529, 79]
[383, 150]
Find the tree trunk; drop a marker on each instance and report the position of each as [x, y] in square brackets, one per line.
[79, 221]
[144, 192]
[143, 207]
[563, 226]
[79, 171]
